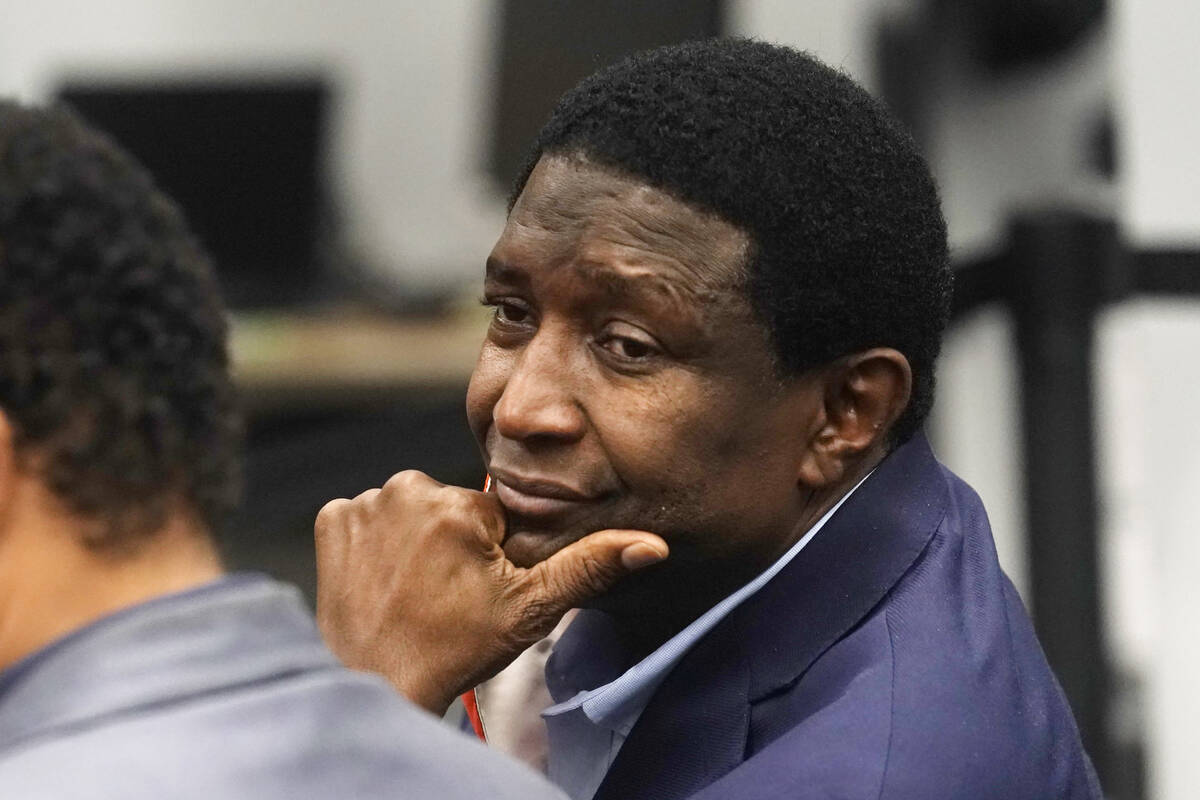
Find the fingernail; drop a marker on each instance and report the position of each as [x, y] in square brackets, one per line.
[639, 555]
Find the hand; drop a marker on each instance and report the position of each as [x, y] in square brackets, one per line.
[412, 583]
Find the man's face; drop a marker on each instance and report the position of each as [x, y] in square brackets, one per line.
[625, 381]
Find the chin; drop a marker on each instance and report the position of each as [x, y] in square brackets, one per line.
[526, 548]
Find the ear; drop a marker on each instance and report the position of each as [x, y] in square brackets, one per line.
[864, 394]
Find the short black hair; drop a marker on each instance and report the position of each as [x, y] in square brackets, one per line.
[848, 240]
[113, 363]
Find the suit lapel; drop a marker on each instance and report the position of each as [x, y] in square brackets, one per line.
[692, 732]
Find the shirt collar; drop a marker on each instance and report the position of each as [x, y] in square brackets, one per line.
[617, 704]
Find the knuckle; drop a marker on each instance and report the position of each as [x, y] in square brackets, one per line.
[462, 507]
[366, 497]
[587, 578]
[595, 576]
[329, 514]
[408, 482]
[460, 502]
[531, 621]
[403, 479]
[558, 590]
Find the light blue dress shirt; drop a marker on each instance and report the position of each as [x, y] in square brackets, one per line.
[587, 727]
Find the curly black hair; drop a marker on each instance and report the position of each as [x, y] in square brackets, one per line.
[848, 240]
[113, 362]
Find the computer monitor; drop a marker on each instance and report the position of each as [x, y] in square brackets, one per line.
[243, 158]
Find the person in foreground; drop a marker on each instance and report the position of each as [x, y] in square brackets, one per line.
[130, 667]
[718, 299]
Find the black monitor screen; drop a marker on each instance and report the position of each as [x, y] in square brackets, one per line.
[243, 159]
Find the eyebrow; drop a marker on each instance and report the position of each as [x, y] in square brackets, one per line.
[614, 283]
[636, 285]
[497, 270]
[687, 299]
[621, 284]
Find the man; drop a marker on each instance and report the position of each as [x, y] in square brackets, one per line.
[719, 298]
[130, 667]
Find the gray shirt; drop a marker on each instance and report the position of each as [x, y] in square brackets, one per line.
[226, 691]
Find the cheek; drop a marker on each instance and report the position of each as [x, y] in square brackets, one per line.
[486, 387]
[663, 442]
[720, 460]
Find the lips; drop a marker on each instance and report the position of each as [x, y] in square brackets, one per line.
[535, 496]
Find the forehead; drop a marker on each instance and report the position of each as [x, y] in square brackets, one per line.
[571, 210]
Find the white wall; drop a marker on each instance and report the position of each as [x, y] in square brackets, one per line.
[1150, 380]
[414, 76]
[840, 33]
[1155, 464]
[1158, 57]
[1014, 142]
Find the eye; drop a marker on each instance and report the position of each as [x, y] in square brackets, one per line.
[507, 311]
[628, 343]
[628, 348]
[511, 312]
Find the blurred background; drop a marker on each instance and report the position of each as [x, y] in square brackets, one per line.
[347, 165]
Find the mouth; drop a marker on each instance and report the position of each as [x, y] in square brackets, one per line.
[536, 497]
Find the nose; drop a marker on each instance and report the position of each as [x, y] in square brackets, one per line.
[540, 397]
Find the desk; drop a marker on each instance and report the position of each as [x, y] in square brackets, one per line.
[285, 361]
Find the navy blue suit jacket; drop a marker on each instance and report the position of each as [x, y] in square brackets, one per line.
[891, 659]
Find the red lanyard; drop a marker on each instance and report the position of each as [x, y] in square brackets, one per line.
[469, 701]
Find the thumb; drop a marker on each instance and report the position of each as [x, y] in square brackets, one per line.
[589, 567]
